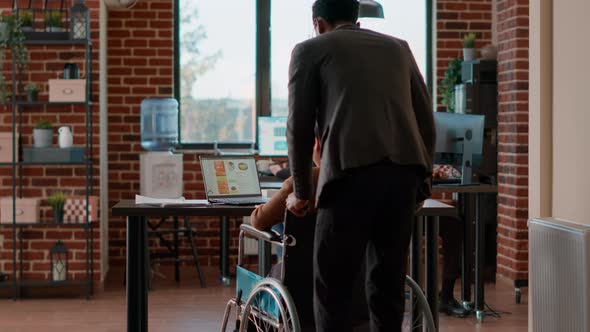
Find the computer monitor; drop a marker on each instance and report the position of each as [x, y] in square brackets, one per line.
[459, 134]
[272, 136]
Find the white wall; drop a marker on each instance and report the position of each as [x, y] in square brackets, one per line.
[571, 110]
[559, 112]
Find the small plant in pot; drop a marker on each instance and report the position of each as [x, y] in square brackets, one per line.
[43, 134]
[469, 51]
[32, 92]
[26, 19]
[53, 21]
[56, 201]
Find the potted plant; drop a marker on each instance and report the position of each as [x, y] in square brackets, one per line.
[447, 85]
[469, 51]
[26, 19]
[56, 201]
[43, 134]
[32, 92]
[53, 21]
[13, 38]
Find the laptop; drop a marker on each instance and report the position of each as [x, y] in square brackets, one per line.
[231, 180]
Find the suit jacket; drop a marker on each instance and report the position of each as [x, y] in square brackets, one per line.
[370, 103]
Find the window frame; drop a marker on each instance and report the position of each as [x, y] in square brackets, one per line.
[263, 89]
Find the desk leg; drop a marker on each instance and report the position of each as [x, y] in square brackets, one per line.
[479, 261]
[466, 257]
[176, 253]
[137, 293]
[224, 251]
[416, 260]
[432, 267]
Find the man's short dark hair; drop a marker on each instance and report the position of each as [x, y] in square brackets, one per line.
[333, 11]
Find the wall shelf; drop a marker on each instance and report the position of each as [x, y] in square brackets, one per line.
[18, 108]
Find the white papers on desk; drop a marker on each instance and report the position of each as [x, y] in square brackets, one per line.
[170, 201]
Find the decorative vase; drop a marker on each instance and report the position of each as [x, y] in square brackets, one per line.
[489, 52]
[32, 95]
[58, 216]
[469, 54]
[42, 138]
[3, 31]
[65, 137]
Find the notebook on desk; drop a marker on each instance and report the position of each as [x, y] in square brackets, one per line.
[231, 180]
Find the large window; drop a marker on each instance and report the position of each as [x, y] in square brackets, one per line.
[217, 70]
[220, 76]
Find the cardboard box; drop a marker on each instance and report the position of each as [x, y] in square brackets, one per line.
[75, 209]
[67, 90]
[161, 175]
[27, 210]
[6, 147]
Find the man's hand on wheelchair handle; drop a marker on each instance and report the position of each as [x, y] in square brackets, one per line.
[298, 207]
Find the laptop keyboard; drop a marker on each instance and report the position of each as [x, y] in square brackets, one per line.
[240, 200]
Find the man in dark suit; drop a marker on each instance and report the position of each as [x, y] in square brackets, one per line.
[375, 118]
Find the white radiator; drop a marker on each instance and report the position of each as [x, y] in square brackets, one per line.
[560, 278]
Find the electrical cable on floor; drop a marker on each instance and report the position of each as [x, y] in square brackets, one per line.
[493, 313]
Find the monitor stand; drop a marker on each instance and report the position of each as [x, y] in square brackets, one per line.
[467, 160]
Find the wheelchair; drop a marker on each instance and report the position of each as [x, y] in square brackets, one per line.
[283, 302]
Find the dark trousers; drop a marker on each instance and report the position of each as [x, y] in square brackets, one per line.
[451, 233]
[364, 217]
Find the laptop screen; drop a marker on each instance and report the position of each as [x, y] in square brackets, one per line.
[230, 176]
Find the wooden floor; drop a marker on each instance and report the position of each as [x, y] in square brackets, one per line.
[187, 307]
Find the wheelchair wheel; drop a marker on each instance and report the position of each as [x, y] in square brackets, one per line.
[269, 308]
[417, 315]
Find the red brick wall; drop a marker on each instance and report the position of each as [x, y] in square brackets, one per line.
[141, 65]
[454, 19]
[39, 181]
[513, 45]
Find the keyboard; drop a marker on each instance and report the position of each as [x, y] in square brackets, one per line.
[446, 181]
[240, 200]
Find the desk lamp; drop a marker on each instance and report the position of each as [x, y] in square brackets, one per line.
[370, 8]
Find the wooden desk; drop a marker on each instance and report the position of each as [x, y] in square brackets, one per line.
[475, 190]
[137, 290]
[429, 217]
